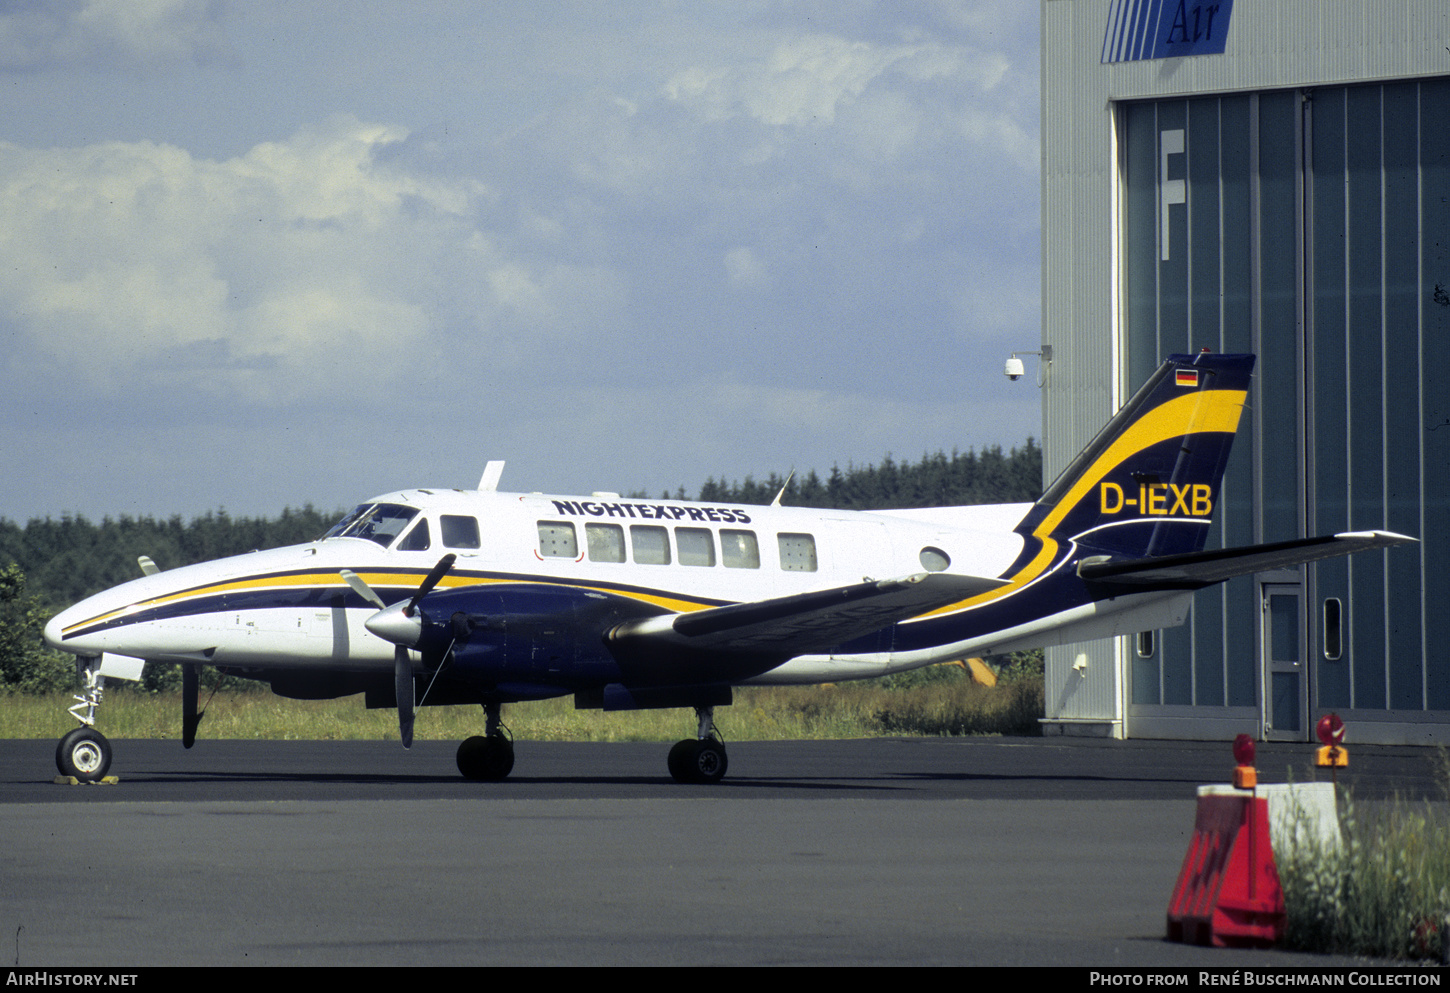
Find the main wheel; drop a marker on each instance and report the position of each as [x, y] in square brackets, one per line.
[486, 759]
[696, 761]
[85, 754]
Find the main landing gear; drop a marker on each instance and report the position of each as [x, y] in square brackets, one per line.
[700, 759]
[488, 757]
[85, 753]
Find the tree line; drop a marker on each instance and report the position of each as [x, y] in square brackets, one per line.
[71, 558]
[991, 476]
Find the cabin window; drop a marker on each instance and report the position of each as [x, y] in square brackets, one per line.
[651, 544]
[557, 540]
[380, 522]
[739, 549]
[459, 531]
[1145, 644]
[606, 542]
[934, 559]
[417, 539]
[797, 552]
[696, 546]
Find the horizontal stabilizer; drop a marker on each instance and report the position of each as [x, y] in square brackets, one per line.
[805, 622]
[1197, 569]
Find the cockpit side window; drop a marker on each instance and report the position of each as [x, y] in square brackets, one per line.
[417, 540]
[380, 522]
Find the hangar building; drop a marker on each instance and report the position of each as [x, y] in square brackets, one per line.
[1269, 176]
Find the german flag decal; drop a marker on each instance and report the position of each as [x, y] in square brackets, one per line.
[1186, 377]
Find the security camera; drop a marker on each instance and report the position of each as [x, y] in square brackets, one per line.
[1014, 369]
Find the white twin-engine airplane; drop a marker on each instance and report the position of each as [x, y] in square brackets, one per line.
[439, 596]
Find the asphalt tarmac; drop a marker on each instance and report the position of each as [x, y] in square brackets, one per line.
[878, 852]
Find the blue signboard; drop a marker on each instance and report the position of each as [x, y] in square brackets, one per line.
[1165, 29]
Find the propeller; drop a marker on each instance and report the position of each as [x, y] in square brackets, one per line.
[398, 625]
[429, 581]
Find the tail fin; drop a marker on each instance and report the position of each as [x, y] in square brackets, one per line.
[1148, 483]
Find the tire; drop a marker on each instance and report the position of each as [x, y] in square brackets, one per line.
[682, 757]
[85, 754]
[486, 759]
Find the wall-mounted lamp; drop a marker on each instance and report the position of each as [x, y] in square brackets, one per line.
[1015, 370]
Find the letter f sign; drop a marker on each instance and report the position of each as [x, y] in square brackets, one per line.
[1170, 191]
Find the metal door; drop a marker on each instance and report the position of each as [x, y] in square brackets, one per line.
[1282, 654]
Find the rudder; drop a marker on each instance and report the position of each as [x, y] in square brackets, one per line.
[1148, 483]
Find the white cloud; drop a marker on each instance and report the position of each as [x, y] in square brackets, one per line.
[108, 33]
[807, 80]
[138, 260]
[800, 81]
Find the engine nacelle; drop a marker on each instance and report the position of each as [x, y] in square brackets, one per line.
[526, 633]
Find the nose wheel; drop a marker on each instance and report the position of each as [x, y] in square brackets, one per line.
[85, 754]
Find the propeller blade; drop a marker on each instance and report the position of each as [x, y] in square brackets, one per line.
[361, 588]
[403, 689]
[431, 580]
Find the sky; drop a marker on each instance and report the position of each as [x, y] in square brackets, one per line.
[256, 255]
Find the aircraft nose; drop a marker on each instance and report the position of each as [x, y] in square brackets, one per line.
[53, 629]
[391, 624]
[76, 613]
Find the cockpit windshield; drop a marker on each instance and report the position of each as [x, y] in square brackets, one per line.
[380, 522]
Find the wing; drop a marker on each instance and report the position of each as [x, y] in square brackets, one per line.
[787, 626]
[1186, 572]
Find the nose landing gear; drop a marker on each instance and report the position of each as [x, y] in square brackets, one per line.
[84, 754]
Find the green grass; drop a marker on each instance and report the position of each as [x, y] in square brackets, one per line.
[942, 701]
[1385, 891]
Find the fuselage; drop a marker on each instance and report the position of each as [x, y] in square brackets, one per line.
[289, 607]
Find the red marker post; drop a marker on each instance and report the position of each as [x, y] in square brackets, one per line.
[1332, 753]
[1246, 777]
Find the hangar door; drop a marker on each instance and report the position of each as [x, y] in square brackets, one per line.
[1307, 226]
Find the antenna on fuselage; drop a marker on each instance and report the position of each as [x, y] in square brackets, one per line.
[488, 482]
[776, 501]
